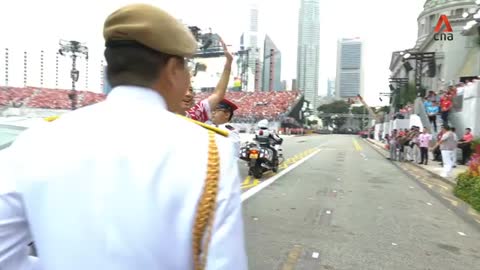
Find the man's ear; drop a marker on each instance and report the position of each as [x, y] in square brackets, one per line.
[171, 69]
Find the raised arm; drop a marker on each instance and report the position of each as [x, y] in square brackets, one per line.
[222, 84]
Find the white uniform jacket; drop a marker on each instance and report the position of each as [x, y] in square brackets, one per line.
[233, 134]
[115, 186]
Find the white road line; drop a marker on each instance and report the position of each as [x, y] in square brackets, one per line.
[249, 193]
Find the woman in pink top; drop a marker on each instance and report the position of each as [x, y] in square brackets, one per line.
[424, 142]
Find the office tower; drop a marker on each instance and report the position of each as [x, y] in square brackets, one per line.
[308, 49]
[349, 81]
[272, 65]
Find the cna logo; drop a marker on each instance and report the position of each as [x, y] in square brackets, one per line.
[446, 33]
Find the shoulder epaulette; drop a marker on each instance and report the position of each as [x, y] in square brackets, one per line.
[51, 118]
[209, 127]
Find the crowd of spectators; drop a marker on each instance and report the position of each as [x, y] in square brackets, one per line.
[440, 104]
[413, 145]
[253, 106]
[44, 98]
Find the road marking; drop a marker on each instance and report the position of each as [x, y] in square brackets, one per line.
[462, 234]
[249, 193]
[255, 182]
[292, 258]
[357, 145]
[429, 203]
[394, 244]
[472, 212]
[455, 203]
[246, 181]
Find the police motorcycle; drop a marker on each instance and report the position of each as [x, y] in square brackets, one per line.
[260, 158]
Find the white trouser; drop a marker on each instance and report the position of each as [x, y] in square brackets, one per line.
[416, 153]
[447, 162]
[454, 157]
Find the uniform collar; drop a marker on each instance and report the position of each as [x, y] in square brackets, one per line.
[137, 94]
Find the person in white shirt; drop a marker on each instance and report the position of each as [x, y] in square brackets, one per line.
[447, 145]
[113, 186]
[222, 114]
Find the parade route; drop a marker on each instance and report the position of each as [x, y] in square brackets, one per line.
[346, 207]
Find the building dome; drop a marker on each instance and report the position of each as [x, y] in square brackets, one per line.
[436, 4]
[432, 9]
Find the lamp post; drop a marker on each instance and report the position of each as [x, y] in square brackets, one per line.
[74, 49]
[420, 58]
[401, 82]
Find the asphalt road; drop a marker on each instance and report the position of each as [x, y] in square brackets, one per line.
[294, 148]
[348, 208]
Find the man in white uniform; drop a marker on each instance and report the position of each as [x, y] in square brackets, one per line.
[112, 186]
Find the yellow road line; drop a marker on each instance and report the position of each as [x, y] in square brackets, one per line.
[292, 258]
[255, 182]
[246, 181]
[357, 145]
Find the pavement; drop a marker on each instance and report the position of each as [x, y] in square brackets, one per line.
[339, 204]
[433, 167]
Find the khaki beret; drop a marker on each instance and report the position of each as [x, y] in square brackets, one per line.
[151, 27]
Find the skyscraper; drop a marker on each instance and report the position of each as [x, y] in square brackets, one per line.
[308, 49]
[249, 41]
[349, 82]
[272, 65]
[331, 88]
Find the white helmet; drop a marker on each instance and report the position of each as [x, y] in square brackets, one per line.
[263, 123]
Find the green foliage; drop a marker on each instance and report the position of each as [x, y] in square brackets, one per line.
[468, 189]
[385, 109]
[359, 110]
[338, 106]
[313, 122]
[476, 146]
[406, 95]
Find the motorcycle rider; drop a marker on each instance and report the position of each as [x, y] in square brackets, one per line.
[269, 139]
[221, 117]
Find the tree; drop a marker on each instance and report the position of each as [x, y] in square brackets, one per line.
[339, 107]
[312, 123]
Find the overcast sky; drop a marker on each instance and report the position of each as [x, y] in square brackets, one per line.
[384, 25]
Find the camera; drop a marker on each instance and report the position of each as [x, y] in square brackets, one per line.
[206, 41]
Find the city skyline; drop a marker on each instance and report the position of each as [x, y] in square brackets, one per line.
[229, 19]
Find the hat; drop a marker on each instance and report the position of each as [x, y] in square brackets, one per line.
[151, 27]
[227, 104]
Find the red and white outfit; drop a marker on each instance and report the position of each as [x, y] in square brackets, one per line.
[200, 112]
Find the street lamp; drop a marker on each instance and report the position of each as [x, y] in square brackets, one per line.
[420, 58]
[74, 49]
